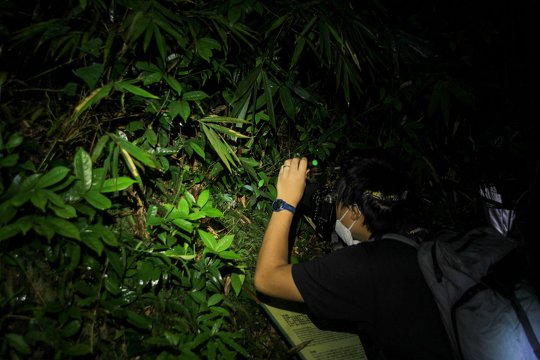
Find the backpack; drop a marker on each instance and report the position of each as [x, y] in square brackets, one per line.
[487, 314]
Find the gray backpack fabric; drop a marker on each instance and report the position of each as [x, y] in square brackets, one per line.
[483, 321]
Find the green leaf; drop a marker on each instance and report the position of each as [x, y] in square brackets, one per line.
[52, 177]
[203, 197]
[117, 184]
[247, 83]
[9, 161]
[208, 240]
[227, 131]
[184, 109]
[184, 225]
[269, 101]
[9, 231]
[54, 198]
[237, 281]
[44, 228]
[195, 147]
[135, 90]
[174, 108]
[174, 84]
[107, 235]
[77, 350]
[183, 207]
[229, 255]
[13, 141]
[213, 213]
[91, 239]
[223, 119]
[160, 42]
[39, 199]
[18, 342]
[70, 329]
[300, 42]
[65, 212]
[112, 285]
[82, 165]
[98, 149]
[73, 252]
[219, 147]
[94, 97]
[133, 150]
[224, 243]
[97, 200]
[90, 74]
[195, 96]
[215, 299]
[152, 217]
[285, 97]
[205, 47]
[63, 227]
[137, 320]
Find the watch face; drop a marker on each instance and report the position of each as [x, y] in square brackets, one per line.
[277, 204]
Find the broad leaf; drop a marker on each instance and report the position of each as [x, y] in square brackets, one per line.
[203, 198]
[64, 227]
[97, 200]
[52, 177]
[82, 165]
[117, 184]
[208, 240]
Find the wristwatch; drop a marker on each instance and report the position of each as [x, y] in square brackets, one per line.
[280, 204]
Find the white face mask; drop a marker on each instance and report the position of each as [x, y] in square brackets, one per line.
[345, 233]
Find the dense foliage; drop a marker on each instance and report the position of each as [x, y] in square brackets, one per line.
[139, 144]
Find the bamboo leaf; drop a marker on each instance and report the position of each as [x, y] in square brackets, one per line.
[98, 149]
[135, 90]
[269, 101]
[94, 97]
[227, 131]
[139, 154]
[299, 47]
[148, 36]
[285, 97]
[217, 146]
[160, 42]
[195, 95]
[224, 119]
[246, 84]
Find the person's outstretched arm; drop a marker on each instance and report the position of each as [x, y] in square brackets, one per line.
[273, 275]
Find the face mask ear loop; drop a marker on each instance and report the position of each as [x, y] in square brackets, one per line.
[342, 216]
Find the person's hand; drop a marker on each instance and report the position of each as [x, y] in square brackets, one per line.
[292, 180]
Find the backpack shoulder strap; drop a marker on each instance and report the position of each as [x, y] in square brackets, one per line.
[401, 238]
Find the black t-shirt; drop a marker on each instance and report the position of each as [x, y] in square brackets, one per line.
[379, 287]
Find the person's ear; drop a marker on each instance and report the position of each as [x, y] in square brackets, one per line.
[356, 213]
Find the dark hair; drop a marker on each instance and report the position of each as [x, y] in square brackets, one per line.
[373, 181]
